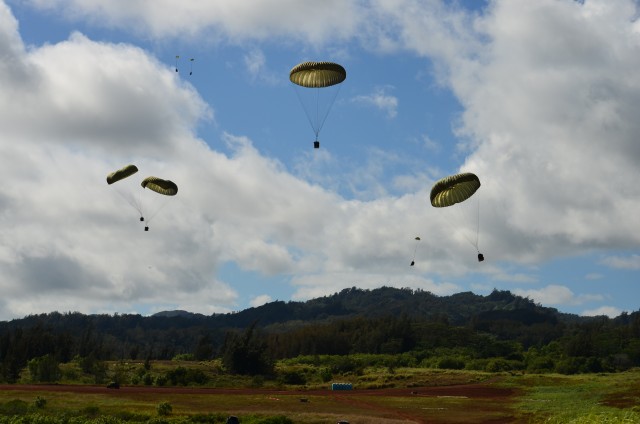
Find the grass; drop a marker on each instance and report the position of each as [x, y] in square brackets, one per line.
[587, 398]
[527, 398]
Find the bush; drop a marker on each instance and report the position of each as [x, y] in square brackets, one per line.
[294, 377]
[164, 409]
[40, 402]
[451, 363]
[90, 411]
[326, 375]
[184, 357]
[14, 407]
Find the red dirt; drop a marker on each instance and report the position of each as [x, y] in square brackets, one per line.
[482, 392]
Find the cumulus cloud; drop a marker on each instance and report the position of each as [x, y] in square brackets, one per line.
[557, 295]
[79, 109]
[381, 100]
[546, 97]
[260, 300]
[609, 311]
[549, 89]
[236, 21]
[619, 262]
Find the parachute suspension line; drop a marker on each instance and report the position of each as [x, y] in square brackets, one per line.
[317, 125]
[131, 200]
[478, 226]
[480, 255]
[324, 118]
[306, 111]
[158, 209]
[316, 129]
[415, 249]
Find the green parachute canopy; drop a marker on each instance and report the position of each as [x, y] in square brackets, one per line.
[166, 187]
[324, 79]
[122, 173]
[454, 189]
[317, 74]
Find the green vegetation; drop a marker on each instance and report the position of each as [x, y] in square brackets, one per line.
[378, 339]
[296, 393]
[498, 332]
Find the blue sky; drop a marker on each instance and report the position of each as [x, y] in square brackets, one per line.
[539, 99]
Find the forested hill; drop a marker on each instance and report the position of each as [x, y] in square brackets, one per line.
[384, 320]
[458, 310]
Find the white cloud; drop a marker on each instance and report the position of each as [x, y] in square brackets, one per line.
[631, 262]
[557, 295]
[381, 100]
[317, 285]
[212, 20]
[549, 90]
[260, 300]
[609, 311]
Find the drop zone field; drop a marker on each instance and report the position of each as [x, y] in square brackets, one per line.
[379, 395]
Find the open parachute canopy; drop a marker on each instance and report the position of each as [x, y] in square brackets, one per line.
[121, 173]
[325, 78]
[454, 189]
[317, 74]
[166, 187]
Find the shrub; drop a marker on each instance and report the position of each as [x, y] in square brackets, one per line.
[294, 377]
[326, 375]
[451, 363]
[164, 409]
[14, 407]
[40, 402]
[184, 357]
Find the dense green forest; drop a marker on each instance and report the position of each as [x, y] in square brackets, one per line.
[497, 332]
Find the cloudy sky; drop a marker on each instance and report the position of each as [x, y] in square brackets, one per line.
[540, 99]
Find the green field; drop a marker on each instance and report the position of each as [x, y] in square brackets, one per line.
[380, 395]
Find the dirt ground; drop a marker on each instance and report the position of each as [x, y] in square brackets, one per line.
[485, 395]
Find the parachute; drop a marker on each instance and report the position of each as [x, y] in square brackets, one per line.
[190, 65]
[317, 75]
[160, 186]
[166, 187]
[456, 189]
[413, 261]
[126, 188]
[121, 173]
[130, 191]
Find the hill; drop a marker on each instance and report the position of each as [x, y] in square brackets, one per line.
[384, 320]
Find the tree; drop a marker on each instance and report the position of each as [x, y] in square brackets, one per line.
[44, 369]
[247, 353]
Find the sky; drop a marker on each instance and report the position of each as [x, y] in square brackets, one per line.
[539, 99]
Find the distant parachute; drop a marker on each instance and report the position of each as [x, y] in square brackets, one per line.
[126, 188]
[456, 189]
[413, 261]
[160, 186]
[121, 173]
[190, 64]
[317, 75]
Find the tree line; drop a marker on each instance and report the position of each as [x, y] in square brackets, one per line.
[499, 331]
